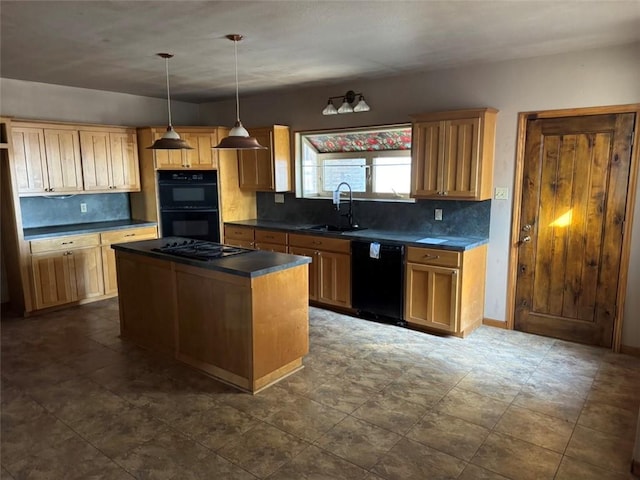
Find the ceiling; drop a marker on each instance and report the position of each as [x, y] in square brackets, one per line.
[111, 45]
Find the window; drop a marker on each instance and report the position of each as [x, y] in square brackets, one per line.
[375, 162]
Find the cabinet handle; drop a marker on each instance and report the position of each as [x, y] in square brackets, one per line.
[67, 243]
[130, 235]
[431, 256]
[268, 236]
[51, 189]
[68, 253]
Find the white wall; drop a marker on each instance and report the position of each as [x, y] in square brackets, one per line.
[600, 77]
[41, 101]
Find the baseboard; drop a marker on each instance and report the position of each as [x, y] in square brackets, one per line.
[635, 468]
[494, 323]
[629, 350]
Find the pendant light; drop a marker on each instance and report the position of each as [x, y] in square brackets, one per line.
[238, 138]
[170, 140]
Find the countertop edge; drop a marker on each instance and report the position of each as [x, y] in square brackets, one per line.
[398, 238]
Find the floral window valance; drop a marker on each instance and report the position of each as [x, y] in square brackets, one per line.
[372, 140]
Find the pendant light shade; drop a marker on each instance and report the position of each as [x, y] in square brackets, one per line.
[238, 138]
[170, 140]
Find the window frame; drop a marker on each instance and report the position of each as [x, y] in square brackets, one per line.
[301, 142]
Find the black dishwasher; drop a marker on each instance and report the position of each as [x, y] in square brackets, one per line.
[377, 280]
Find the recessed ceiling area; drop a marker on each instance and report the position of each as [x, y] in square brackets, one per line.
[112, 45]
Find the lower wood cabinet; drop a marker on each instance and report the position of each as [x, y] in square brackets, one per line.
[445, 289]
[66, 269]
[238, 236]
[108, 254]
[271, 240]
[330, 268]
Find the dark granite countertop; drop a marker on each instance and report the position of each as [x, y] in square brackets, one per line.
[80, 228]
[416, 239]
[251, 264]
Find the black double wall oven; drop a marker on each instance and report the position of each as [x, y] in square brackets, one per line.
[189, 204]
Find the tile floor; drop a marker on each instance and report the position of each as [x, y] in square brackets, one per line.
[374, 402]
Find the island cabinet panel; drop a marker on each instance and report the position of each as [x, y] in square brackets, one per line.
[213, 318]
[146, 301]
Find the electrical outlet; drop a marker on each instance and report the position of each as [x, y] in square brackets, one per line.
[278, 198]
[438, 214]
[83, 208]
[501, 193]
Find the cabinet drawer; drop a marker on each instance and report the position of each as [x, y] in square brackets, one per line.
[128, 235]
[64, 243]
[269, 236]
[433, 256]
[239, 233]
[320, 243]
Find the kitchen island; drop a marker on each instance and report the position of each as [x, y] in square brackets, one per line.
[241, 318]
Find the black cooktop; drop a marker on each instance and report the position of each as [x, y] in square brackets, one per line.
[200, 249]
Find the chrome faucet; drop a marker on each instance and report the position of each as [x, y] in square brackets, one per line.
[336, 201]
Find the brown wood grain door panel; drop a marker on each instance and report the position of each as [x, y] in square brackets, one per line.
[574, 195]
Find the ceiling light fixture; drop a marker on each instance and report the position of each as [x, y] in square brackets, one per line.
[347, 100]
[170, 140]
[238, 138]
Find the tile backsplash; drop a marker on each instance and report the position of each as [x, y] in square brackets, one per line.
[65, 209]
[459, 218]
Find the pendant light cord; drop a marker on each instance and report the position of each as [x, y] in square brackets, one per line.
[235, 49]
[166, 62]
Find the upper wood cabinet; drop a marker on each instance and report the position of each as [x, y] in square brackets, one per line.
[110, 160]
[202, 157]
[452, 154]
[46, 159]
[267, 170]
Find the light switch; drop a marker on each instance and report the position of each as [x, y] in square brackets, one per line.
[438, 214]
[83, 208]
[278, 198]
[502, 193]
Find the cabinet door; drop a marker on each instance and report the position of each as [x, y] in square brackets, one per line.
[256, 166]
[427, 158]
[168, 159]
[461, 158]
[64, 168]
[125, 172]
[96, 155]
[203, 156]
[53, 279]
[432, 297]
[87, 269]
[334, 278]
[30, 159]
[109, 270]
[313, 268]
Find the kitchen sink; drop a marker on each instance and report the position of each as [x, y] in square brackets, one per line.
[333, 228]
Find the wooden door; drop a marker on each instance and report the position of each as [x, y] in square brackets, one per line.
[96, 156]
[124, 169]
[334, 278]
[168, 159]
[574, 196]
[427, 158]
[30, 159]
[109, 270]
[313, 268]
[87, 271]
[53, 282]
[461, 158]
[203, 156]
[64, 167]
[256, 166]
[432, 296]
